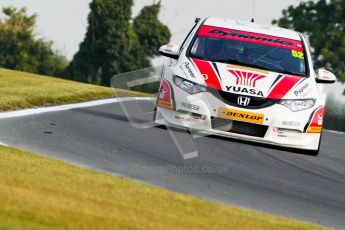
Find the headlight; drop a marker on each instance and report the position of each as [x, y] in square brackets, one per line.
[188, 86]
[298, 105]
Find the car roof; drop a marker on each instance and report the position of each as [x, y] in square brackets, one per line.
[253, 27]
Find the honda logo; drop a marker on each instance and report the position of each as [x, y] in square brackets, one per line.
[243, 101]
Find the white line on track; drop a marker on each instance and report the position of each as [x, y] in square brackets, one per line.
[28, 112]
[3, 144]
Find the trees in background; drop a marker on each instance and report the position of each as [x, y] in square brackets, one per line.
[335, 113]
[114, 43]
[21, 50]
[324, 24]
[151, 33]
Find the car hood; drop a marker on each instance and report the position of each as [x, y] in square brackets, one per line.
[246, 81]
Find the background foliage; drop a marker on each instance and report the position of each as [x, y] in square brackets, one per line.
[324, 24]
[20, 49]
[114, 44]
[335, 114]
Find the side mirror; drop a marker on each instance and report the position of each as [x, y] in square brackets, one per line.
[325, 77]
[170, 50]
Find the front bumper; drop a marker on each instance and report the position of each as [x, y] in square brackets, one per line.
[204, 112]
[270, 134]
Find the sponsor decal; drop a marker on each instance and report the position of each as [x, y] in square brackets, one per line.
[209, 74]
[246, 78]
[246, 83]
[187, 70]
[190, 106]
[243, 101]
[241, 115]
[302, 89]
[232, 66]
[170, 47]
[183, 118]
[162, 93]
[165, 104]
[291, 123]
[316, 121]
[246, 35]
[165, 96]
[283, 87]
[314, 129]
[186, 85]
[238, 89]
[190, 118]
[297, 54]
[320, 119]
[250, 37]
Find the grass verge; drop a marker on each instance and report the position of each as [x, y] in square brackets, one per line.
[23, 90]
[39, 193]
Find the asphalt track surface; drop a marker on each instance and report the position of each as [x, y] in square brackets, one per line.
[228, 171]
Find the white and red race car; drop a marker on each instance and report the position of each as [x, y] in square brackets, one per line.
[244, 80]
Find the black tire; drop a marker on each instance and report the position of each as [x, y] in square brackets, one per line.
[316, 152]
[154, 114]
[313, 152]
[154, 120]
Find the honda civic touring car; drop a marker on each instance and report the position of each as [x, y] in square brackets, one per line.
[244, 80]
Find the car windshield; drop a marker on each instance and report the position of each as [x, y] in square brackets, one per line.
[250, 49]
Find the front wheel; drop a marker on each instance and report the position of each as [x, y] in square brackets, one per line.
[311, 152]
[154, 114]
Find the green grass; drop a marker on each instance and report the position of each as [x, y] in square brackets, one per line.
[24, 90]
[40, 193]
